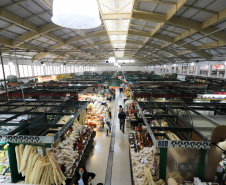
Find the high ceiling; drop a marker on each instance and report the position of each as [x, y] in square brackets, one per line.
[149, 31]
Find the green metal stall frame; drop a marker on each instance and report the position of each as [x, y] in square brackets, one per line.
[163, 163]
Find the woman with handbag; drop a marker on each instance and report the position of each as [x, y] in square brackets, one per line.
[108, 122]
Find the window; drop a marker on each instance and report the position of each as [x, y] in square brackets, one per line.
[7, 70]
[21, 70]
[42, 70]
[72, 69]
[13, 69]
[68, 69]
[36, 70]
[1, 73]
[47, 70]
[25, 67]
[29, 67]
[50, 70]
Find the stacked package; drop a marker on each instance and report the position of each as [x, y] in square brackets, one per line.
[143, 165]
[38, 169]
[64, 151]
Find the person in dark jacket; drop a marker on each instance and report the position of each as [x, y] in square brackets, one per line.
[82, 177]
[122, 119]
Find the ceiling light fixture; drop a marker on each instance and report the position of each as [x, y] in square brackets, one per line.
[10, 63]
[76, 14]
[112, 59]
[192, 64]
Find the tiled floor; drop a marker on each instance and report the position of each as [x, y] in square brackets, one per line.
[99, 158]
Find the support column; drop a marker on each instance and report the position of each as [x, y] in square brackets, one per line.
[163, 163]
[209, 69]
[225, 70]
[201, 166]
[15, 176]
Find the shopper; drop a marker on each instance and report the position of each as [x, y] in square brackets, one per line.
[121, 88]
[122, 119]
[113, 94]
[109, 96]
[82, 177]
[108, 122]
[120, 108]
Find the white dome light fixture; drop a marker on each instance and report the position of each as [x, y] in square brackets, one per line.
[76, 14]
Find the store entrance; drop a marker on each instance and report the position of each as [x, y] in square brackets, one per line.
[220, 176]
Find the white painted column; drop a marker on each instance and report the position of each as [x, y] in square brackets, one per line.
[209, 69]
[225, 70]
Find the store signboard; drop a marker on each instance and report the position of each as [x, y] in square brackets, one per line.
[220, 66]
[183, 144]
[90, 96]
[25, 139]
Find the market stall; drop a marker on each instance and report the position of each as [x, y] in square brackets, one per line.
[181, 149]
[40, 145]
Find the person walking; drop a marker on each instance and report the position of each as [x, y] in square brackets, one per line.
[82, 177]
[120, 108]
[121, 88]
[108, 122]
[113, 94]
[122, 118]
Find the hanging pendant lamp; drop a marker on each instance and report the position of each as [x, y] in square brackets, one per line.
[77, 14]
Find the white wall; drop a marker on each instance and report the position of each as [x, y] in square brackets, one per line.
[161, 69]
[114, 68]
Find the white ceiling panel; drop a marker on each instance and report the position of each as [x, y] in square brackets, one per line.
[146, 6]
[217, 6]
[17, 30]
[18, 10]
[9, 34]
[37, 21]
[4, 24]
[163, 8]
[5, 2]
[32, 6]
[189, 13]
[202, 16]
[147, 29]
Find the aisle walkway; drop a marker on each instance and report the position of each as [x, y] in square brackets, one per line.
[121, 162]
[111, 170]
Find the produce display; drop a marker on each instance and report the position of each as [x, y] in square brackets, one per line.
[4, 160]
[144, 166]
[69, 151]
[140, 139]
[96, 112]
[38, 169]
[5, 179]
[82, 119]
[4, 166]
